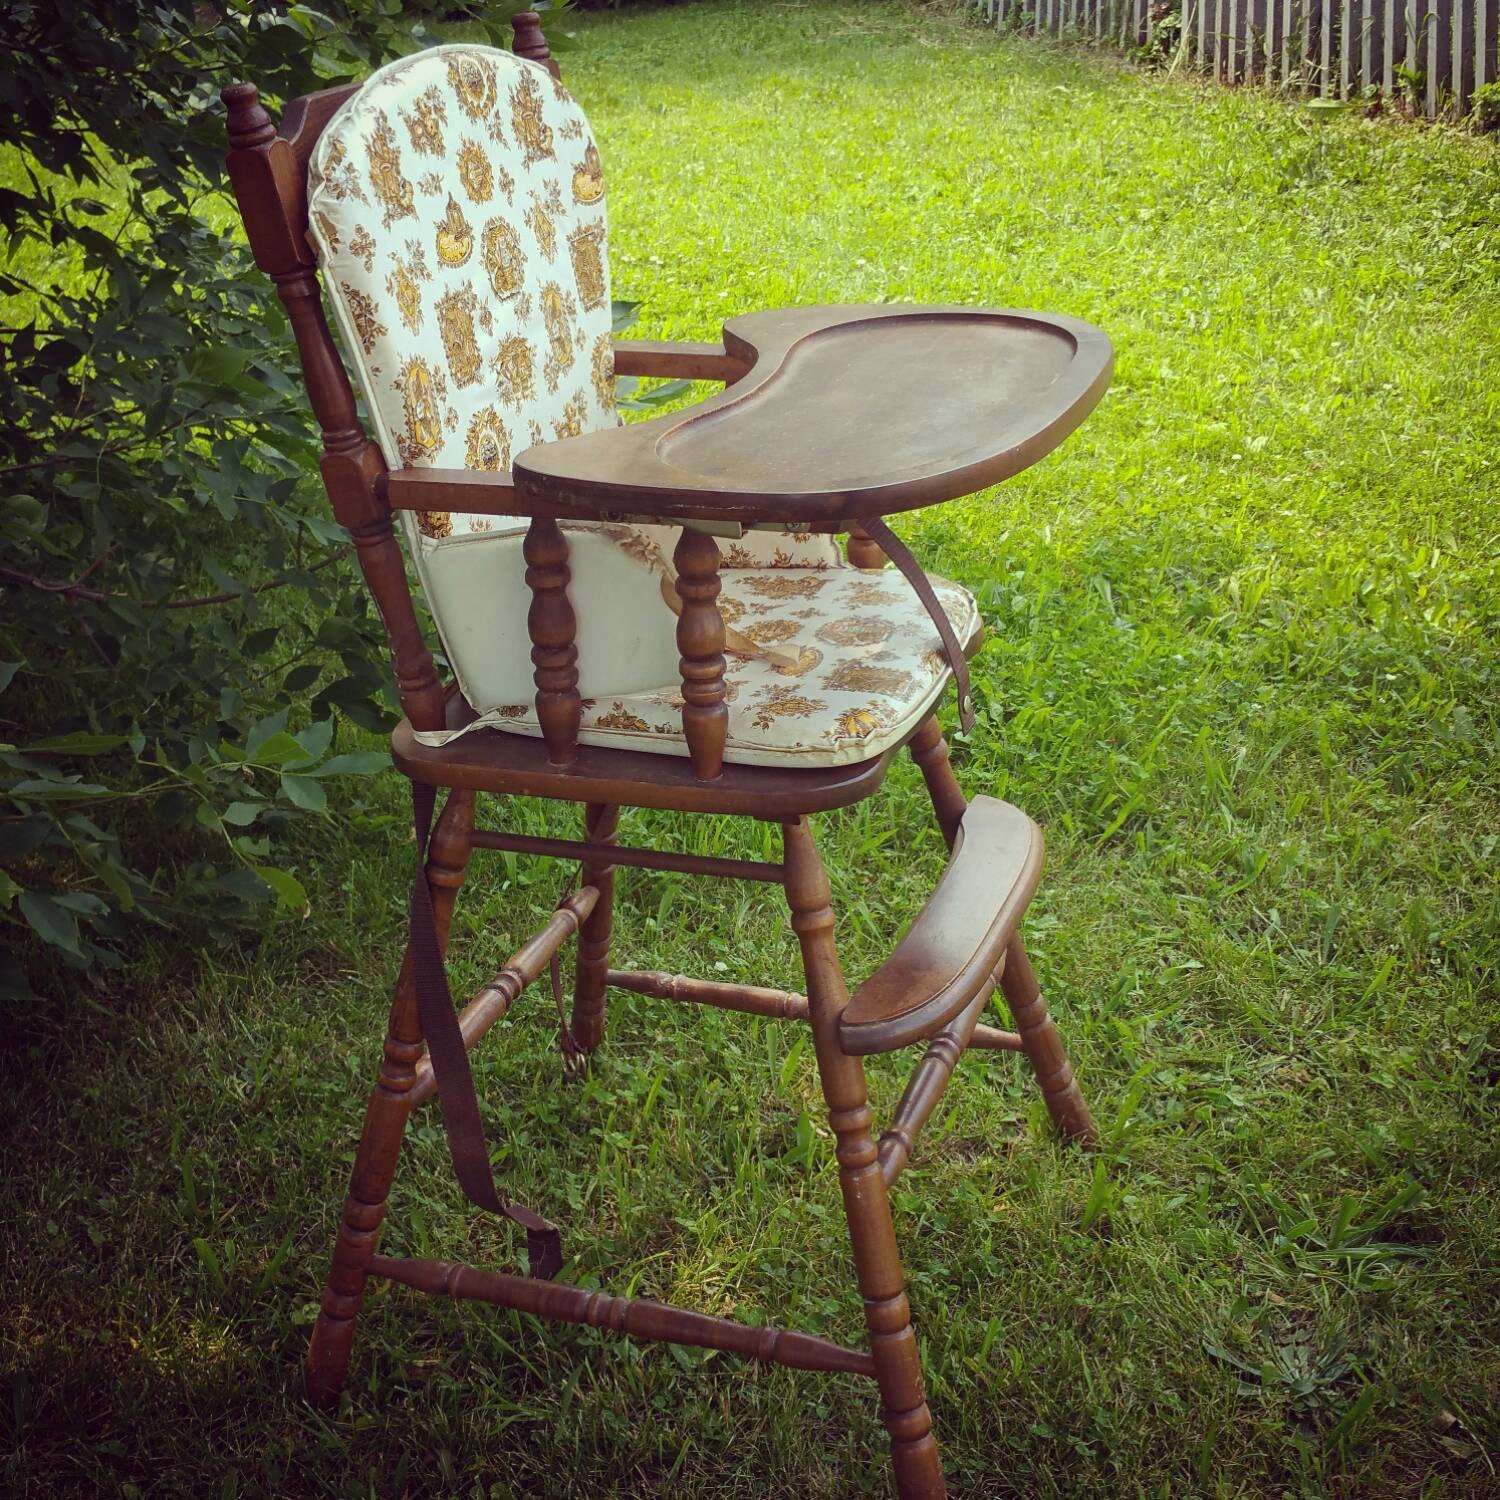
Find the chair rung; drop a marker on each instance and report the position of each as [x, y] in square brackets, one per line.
[748, 999]
[497, 997]
[631, 1315]
[950, 953]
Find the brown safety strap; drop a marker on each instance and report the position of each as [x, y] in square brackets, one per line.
[450, 1062]
[911, 570]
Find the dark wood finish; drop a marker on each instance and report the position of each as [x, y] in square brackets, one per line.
[553, 629]
[386, 1114]
[601, 821]
[515, 765]
[635, 1316]
[928, 1083]
[700, 639]
[950, 953]
[529, 41]
[822, 427]
[999, 390]
[623, 854]
[748, 999]
[1044, 1048]
[930, 751]
[877, 1261]
[667, 360]
[520, 969]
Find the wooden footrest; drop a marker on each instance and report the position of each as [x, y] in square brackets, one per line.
[950, 953]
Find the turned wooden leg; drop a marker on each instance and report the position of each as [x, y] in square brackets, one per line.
[864, 553]
[385, 1124]
[1043, 1046]
[600, 821]
[553, 629]
[877, 1261]
[930, 751]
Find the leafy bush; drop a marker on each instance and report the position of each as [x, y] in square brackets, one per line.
[172, 588]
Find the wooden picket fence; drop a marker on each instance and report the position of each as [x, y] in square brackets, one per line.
[1428, 56]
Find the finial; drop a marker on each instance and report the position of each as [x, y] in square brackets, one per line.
[249, 124]
[529, 41]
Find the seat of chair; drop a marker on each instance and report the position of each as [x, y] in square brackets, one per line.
[852, 666]
[841, 412]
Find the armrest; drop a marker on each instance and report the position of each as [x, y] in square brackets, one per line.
[680, 361]
[479, 492]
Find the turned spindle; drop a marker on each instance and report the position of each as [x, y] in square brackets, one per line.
[553, 628]
[700, 639]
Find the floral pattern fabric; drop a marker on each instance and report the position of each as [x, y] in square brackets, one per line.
[856, 664]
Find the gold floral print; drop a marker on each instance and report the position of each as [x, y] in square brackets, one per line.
[455, 238]
[575, 412]
[855, 630]
[602, 371]
[730, 609]
[586, 248]
[391, 189]
[329, 230]
[455, 315]
[430, 184]
[402, 285]
[786, 587]
[425, 122]
[558, 314]
[422, 390]
[869, 593]
[474, 83]
[571, 129]
[362, 247]
[736, 556]
[588, 177]
[857, 723]
[533, 135]
[766, 632]
[475, 172]
[487, 443]
[542, 219]
[619, 718]
[861, 677]
[504, 260]
[435, 523]
[784, 703]
[516, 368]
[338, 177]
[365, 317]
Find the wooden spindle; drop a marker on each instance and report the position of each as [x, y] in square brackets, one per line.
[553, 629]
[864, 553]
[1043, 1046]
[601, 822]
[700, 639]
[930, 751]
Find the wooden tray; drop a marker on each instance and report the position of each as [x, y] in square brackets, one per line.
[843, 412]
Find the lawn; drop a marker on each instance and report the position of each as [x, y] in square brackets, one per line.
[1243, 668]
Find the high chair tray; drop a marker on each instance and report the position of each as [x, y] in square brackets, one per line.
[842, 412]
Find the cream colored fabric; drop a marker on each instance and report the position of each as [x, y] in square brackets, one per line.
[863, 664]
[456, 203]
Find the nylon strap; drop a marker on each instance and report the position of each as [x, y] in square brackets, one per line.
[450, 1062]
[911, 570]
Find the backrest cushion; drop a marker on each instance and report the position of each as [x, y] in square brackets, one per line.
[457, 206]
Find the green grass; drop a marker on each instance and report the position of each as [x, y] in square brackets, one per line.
[1242, 667]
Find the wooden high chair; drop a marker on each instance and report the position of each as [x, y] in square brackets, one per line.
[656, 615]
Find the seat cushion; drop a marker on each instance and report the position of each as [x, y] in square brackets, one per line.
[857, 663]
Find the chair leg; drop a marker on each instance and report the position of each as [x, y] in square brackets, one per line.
[877, 1260]
[600, 821]
[385, 1124]
[930, 751]
[1043, 1046]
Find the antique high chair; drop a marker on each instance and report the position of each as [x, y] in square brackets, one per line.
[655, 615]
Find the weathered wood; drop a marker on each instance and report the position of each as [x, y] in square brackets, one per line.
[700, 639]
[925, 1088]
[553, 628]
[877, 1261]
[748, 999]
[635, 1316]
[492, 1001]
[601, 820]
[1044, 1048]
[623, 854]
